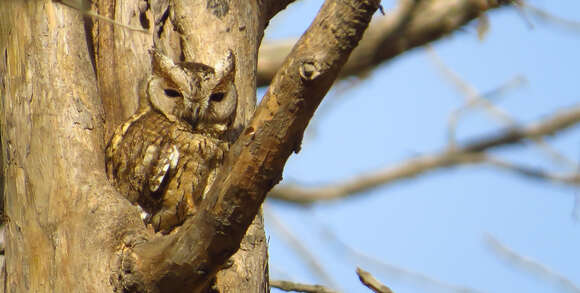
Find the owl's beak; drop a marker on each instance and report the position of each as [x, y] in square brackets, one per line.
[193, 116]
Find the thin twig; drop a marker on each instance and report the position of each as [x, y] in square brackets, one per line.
[298, 287]
[571, 178]
[518, 4]
[459, 112]
[475, 99]
[530, 265]
[371, 282]
[84, 7]
[547, 17]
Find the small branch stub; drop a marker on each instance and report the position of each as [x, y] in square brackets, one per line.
[368, 280]
[309, 71]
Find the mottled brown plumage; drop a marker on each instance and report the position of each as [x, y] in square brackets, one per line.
[167, 154]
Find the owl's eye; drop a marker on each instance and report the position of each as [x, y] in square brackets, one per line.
[172, 93]
[216, 97]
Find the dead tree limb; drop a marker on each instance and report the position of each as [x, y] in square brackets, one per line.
[533, 266]
[470, 153]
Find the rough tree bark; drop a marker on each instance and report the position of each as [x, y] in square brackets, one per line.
[66, 84]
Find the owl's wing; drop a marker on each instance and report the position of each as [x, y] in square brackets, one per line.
[166, 164]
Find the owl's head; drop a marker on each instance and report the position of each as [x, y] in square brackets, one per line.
[198, 94]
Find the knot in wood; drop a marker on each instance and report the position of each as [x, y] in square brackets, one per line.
[309, 70]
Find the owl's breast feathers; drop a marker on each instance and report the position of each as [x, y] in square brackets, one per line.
[163, 166]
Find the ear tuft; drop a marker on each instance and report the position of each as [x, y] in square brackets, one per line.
[164, 66]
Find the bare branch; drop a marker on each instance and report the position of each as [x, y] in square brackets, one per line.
[368, 280]
[390, 36]
[569, 178]
[298, 287]
[469, 92]
[457, 113]
[530, 265]
[468, 154]
[550, 18]
[255, 162]
[474, 98]
[551, 125]
[365, 182]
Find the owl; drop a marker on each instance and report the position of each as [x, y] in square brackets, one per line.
[166, 155]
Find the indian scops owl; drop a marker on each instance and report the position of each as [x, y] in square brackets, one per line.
[166, 155]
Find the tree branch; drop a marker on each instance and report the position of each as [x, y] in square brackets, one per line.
[368, 280]
[255, 162]
[298, 287]
[547, 17]
[572, 178]
[392, 35]
[557, 122]
[470, 153]
[531, 265]
[473, 97]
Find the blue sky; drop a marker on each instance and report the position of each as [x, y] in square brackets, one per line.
[436, 224]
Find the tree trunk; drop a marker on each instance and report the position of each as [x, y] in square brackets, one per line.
[60, 233]
[65, 221]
